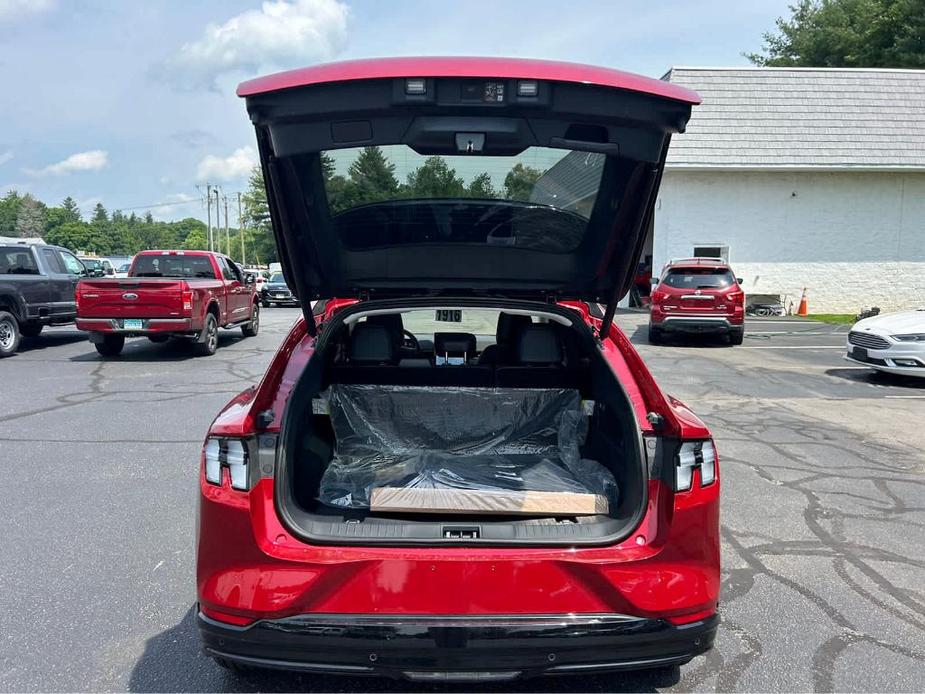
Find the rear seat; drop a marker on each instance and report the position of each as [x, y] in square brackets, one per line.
[540, 356]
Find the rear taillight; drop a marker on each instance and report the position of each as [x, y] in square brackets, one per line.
[695, 455]
[247, 459]
[187, 297]
[230, 454]
[735, 297]
[77, 299]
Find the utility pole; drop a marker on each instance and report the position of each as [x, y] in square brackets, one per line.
[227, 236]
[218, 223]
[209, 211]
[241, 227]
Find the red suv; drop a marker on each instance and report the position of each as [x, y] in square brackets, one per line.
[456, 467]
[697, 295]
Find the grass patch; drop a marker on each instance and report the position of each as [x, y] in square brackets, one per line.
[839, 318]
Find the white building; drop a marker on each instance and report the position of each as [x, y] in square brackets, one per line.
[802, 178]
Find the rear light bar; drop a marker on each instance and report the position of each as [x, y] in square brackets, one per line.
[246, 459]
[695, 454]
[674, 461]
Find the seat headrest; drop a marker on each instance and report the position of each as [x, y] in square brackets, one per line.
[510, 325]
[371, 344]
[539, 344]
[391, 322]
[454, 343]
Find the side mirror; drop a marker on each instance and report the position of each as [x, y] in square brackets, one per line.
[739, 280]
[250, 279]
[110, 271]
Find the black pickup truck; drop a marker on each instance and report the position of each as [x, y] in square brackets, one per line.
[37, 284]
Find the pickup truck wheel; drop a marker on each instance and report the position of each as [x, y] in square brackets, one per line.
[111, 346]
[736, 336]
[250, 329]
[9, 334]
[31, 329]
[655, 335]
[208, 338]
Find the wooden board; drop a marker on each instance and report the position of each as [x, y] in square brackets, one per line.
[526, 503]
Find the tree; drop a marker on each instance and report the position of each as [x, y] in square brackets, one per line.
[847, 33]
[9, 212]
[372, 177]
[261, 246]
[481, 187]
[100, 215]
[519, 182]
[76, 236]
[30, 222]
[196, 240]
[435, 179]
[71, 211]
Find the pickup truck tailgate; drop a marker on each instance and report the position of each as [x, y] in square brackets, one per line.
[130, 298]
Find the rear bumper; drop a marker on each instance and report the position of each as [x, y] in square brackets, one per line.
[458, 648]
[697, 324]
[149, 326]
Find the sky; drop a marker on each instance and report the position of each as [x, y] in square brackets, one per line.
[132, 104]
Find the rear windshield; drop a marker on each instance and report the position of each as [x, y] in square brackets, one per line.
[92, 264]
[699, 278]
[540, 199]
[173, 266]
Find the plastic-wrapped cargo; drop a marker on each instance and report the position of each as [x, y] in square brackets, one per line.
[462, 450]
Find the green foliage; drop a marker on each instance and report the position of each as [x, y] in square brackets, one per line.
[435, 179]
[9, 212]
[519, 182]
[847, 33]
[481, 187]
[30, 221]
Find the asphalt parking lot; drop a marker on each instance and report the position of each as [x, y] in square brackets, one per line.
[823, 514]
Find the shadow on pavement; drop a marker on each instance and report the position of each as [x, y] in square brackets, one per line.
[877, 378]
[173, 662]
[49, 340]
[640, 336]
[141, 349]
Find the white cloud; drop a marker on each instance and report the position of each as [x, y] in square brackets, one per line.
[5, 156]
[236, 165]
[282, 33]
[11, 10]
[93, 160]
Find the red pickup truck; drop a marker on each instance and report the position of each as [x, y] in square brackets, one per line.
[187, 294]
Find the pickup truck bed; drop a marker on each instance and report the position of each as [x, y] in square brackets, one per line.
[207, 292]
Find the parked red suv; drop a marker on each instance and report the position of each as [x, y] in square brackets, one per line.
[456, 467]
[697, 295]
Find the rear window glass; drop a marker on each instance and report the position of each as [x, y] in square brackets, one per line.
[92, 264]
[173, 266]
[17, 261]
[540, 199]
[699, 278]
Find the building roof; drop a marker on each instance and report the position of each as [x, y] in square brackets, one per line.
[802, 118]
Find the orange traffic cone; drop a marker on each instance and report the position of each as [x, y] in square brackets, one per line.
[804, 305]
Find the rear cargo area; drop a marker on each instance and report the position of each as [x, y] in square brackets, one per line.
[413, 449]
[389, 450]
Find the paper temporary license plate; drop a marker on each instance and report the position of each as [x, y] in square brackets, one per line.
[132, 324]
